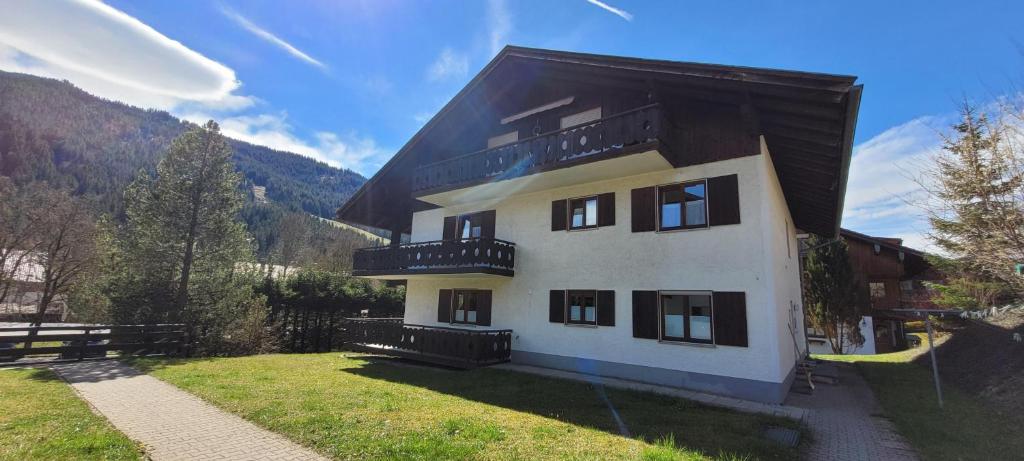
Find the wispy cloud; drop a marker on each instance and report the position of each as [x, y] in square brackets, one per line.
[260, 32]
[611, 9]
[449, 64]
[883, 197]
[348, 150]
[73, 41]
[499, 24]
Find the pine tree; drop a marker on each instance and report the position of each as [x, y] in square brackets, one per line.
[187, 256]
[976, 186]
[833, 294]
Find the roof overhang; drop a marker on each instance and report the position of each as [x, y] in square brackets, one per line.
[808, 121]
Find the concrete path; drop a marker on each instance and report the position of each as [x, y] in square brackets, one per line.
[747, 406]
[171, 423]
[843, 422]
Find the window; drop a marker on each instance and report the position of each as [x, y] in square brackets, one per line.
[501, 140]
[586, 116]
[682, 206]
[686, 317]
[583, 213]
[471, 226]
[465, 306]
[907, 285]
[582, 307]
[877, 290]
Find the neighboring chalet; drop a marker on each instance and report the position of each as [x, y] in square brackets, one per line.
[614, 216]
[895, 277]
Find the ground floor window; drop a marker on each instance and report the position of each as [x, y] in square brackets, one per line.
[465, 306]
[686, 317]
[582, 307]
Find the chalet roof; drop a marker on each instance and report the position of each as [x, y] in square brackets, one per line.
[883, 242]
[807, 119]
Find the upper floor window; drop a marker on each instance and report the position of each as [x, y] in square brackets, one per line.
[877, 290]
[682, 206]
[501, 140]
[471, 226]
[583, 213]
[465, 306]
[586, 116]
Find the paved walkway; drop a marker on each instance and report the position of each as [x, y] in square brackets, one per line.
[171, 423]
[843, 423]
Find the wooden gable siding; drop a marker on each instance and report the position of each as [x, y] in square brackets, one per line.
[884, 267]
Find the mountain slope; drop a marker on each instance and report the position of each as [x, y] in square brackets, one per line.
[51, 130]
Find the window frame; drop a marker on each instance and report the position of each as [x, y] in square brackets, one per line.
[583, 311]
[687, 338]
[471, 217]
[658, 204]
[871, 292]
[584, 199]
[476, 308]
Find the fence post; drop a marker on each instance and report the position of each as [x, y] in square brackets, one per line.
[85, 344]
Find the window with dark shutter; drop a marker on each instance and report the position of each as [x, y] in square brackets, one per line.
[582, 307]
[606, 308]
[556, 309]
[583, 213]
[723, 200]
[642, 209]
[645, 314]
[444, 306]
[558, 215]
[682, 206]
[483, 315]
[449, 232]
[730, 309]
[686, 316]
[488, 218]
[606, 209]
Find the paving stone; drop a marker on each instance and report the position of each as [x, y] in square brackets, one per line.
[171, 423]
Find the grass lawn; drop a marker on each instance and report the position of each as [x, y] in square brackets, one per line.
[41, 418]
[966, 429]
[349, 407]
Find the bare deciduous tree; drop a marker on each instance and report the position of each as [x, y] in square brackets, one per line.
[67, 246]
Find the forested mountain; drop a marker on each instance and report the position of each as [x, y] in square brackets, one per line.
[50, 130]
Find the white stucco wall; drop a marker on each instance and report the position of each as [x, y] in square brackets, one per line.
[748, 257]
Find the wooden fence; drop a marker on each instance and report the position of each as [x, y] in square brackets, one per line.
[92, 341]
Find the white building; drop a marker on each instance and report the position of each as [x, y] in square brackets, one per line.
[622, 217]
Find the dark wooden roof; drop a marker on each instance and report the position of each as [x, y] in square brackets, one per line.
[807, 119]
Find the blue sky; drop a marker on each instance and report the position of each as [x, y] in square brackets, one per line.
[348, 82]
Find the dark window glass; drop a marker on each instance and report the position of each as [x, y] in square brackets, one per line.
[464, 306]
[583, 213]
[582, 307]
[686, 317]
[471, 226]
[682, 206]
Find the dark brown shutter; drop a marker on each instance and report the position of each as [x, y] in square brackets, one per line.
[730, 313]
[483, 308]
[606, 308]
[556, 309]
[723, 200]
[606, 209]
[444, 306]
[643, 208]
[645, 314]
[558, 215]
[451, 224]
[487, 223]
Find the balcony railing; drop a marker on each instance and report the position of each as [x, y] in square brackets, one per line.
[621, 134]
[463, 348]
[466, 256]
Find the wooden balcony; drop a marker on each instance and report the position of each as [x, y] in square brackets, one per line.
[466, 256]
[461, 348]
[635, 131]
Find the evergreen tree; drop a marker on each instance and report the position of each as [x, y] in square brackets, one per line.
[833, 294]
[187, 256]
[977, 186]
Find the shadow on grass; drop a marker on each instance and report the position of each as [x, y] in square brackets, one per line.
[719, 433]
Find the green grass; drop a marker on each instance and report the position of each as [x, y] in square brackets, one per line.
[349, 408]
[966, 429]
[41, 418]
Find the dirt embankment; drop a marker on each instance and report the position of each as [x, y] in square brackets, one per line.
[984, 358]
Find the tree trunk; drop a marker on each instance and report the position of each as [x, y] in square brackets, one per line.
[186, 264]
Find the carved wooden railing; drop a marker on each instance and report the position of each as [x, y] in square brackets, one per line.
[438, 257]
[449, 346]
[605, 138]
